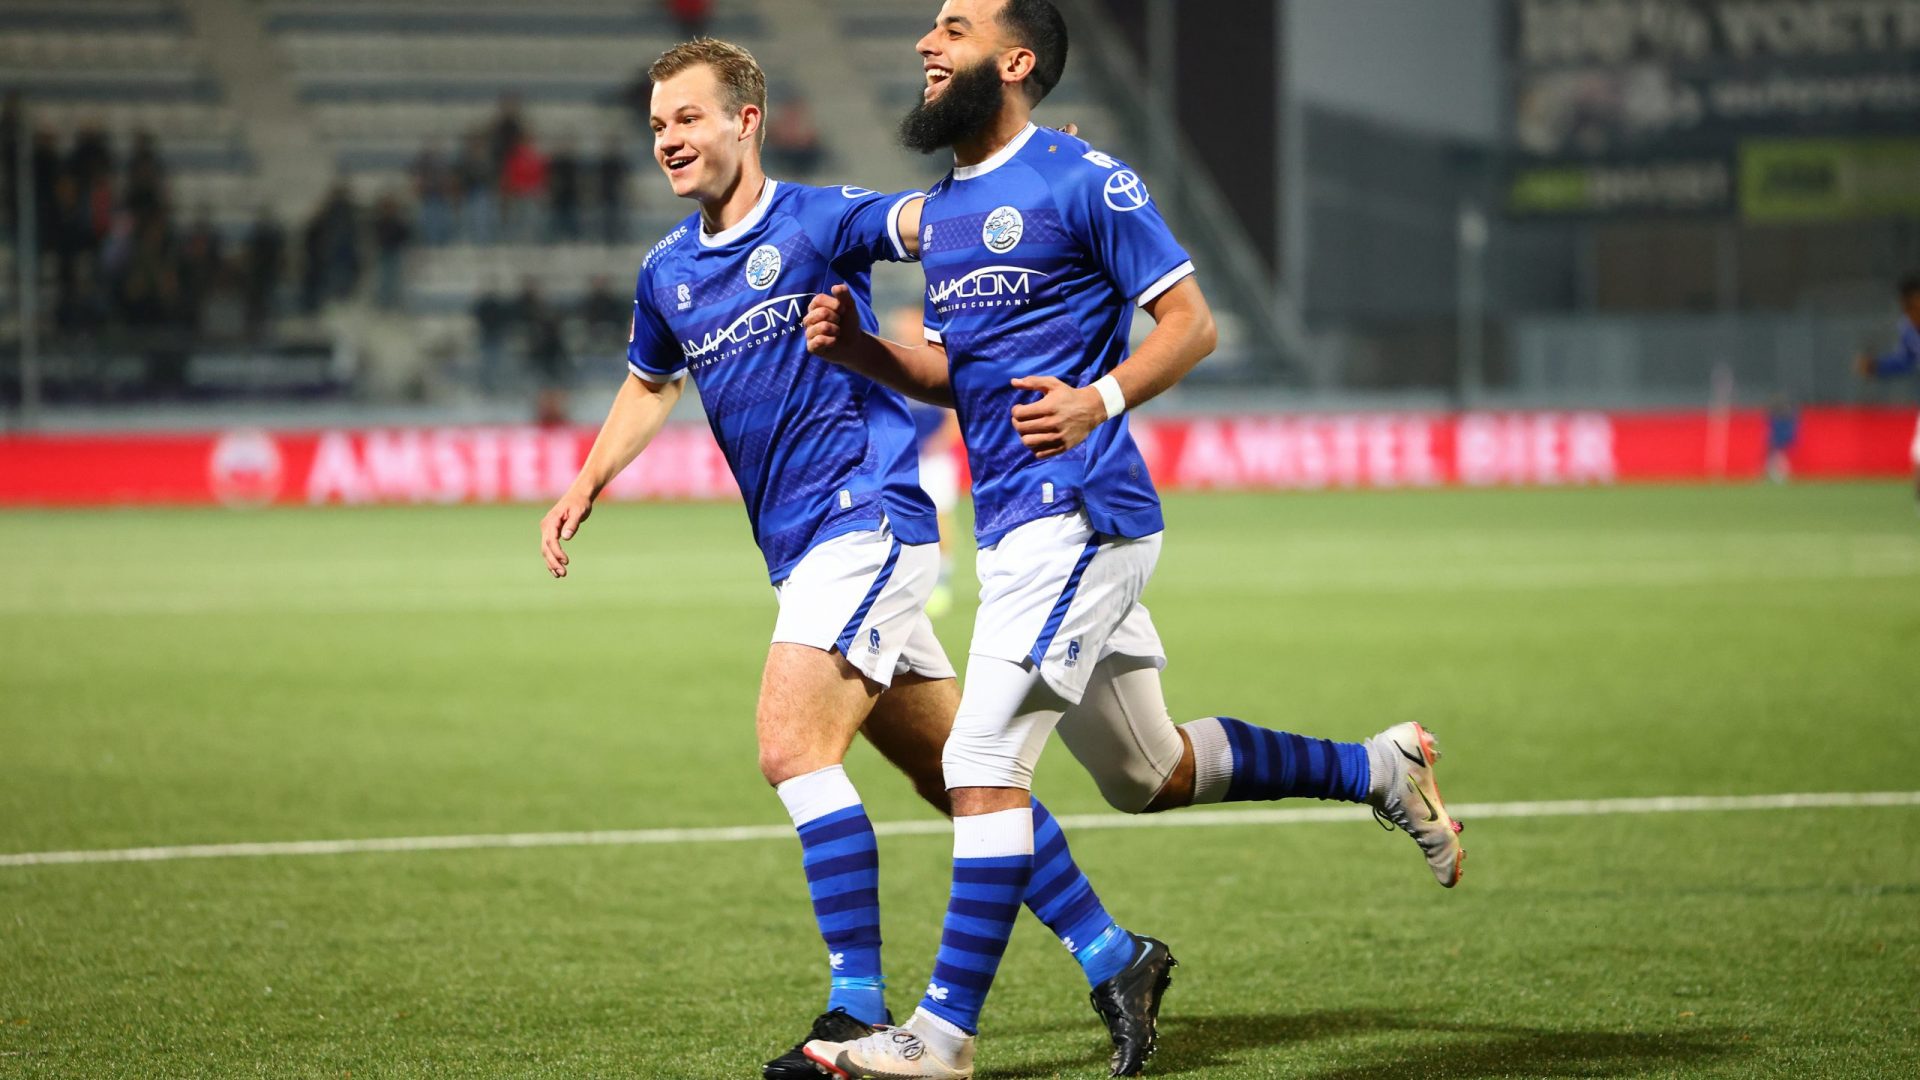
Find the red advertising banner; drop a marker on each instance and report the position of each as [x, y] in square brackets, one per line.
[1240, 452]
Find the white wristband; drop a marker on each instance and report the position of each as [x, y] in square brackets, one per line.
[1110, 393]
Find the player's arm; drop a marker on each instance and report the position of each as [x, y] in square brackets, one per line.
[1183, 334]
[639, 411]
[1898, 362]
[834, 334]
[909, 225]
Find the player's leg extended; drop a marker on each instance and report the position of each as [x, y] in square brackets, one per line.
[1122, 732]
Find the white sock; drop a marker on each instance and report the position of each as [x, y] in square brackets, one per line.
[814, 795]
[946, 1040]
[995, 835]
[1383, 769]
[1212, 759]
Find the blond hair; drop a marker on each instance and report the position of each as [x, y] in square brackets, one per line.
[742, 82]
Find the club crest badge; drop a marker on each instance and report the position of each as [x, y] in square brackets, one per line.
[763, 266]
[1001, 231]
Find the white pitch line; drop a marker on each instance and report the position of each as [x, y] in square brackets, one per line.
[1668, 804]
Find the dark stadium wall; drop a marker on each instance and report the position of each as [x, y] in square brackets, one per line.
[1225, 99]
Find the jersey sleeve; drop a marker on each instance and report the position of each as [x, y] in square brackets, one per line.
[1108, 208]
[865, 226]
[652, 354]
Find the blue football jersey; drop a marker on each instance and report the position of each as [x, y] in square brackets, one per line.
[1905, 356]
[927, 421]
[818, 451]
[1035, 260]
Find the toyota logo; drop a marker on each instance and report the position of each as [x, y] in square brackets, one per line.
[1125, 191]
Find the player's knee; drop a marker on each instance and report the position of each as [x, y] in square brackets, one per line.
[780, 762]
[1132, 790]
[974, 759]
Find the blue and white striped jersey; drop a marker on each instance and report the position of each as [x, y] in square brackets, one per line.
[817, 450]
[1035, 259]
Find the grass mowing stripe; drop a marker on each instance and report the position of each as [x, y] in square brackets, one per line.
[1668, 804]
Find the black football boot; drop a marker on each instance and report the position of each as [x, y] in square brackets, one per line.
[836, 1026]
[1129, 1004]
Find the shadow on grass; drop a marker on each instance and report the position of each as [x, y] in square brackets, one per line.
[1458, 1051]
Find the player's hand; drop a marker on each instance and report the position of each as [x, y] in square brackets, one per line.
[1069, 128]
[830, 320]
[1864, 365]
[1062, 418]
[560, 524]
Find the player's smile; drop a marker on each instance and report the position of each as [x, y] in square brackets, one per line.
[937, 77]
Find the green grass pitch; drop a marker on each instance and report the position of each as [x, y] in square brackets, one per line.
[202, 677]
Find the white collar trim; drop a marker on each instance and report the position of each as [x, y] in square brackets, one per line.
[744, 225]
[999, 158]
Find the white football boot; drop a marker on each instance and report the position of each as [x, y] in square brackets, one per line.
[1411, 798]
[895, 1053]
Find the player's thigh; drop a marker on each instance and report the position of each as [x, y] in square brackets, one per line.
[811, 703]
[909, 726]
[1122, 733]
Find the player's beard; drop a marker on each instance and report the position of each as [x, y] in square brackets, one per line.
[966, 108]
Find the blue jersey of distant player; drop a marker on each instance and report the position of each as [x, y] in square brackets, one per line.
[1035, 260]
[1905, 356]
[817, 450]
[927, 422]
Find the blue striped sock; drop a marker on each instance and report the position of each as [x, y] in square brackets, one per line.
[842, 863]
[1062, 897]
[1270, 765]
[992, 866]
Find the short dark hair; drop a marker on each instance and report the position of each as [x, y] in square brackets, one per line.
[1037, 25]
[1909, 285]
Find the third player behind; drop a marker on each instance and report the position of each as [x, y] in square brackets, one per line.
[1905, 357]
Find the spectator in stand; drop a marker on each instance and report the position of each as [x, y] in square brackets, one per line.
[200, 260]
[479, 183]
[333, 249]
[692, 16]
[91, 159]
[563, 193]
[614, 168]
[146, 179]
[262, 262]
[72, 241]
[46, 176]
[523, 185]
[493, 318]
[505, 131]
[434, 192]
[391, 235]
[9, 157]
[150, 299]
[793, 139]
[547, 355]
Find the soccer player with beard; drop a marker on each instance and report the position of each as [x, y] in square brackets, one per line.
[1036, 247]
[825, 460]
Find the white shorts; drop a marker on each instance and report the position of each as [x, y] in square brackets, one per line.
[1055, 595]
[864, 595]
[940, 479]
[1916, 446]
